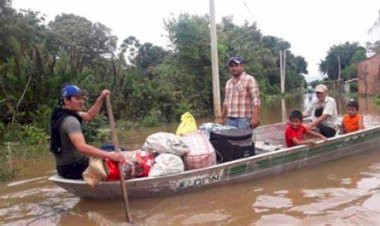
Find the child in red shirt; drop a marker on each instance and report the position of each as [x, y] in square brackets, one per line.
[295, 131]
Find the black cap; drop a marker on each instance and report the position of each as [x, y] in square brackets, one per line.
[235, 59]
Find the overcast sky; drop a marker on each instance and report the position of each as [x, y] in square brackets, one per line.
[311, 26]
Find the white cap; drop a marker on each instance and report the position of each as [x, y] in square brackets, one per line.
[321, 88]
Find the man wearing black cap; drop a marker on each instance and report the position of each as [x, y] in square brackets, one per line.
[67, 141]
[241, 104]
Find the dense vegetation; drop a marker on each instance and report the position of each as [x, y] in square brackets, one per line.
[146, 81]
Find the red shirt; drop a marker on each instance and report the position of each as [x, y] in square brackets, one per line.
[291, 133]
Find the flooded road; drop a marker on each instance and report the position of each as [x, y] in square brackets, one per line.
[345, 191]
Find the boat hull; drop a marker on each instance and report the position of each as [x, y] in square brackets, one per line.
[238, 170]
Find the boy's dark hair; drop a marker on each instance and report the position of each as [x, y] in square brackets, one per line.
[354, 104]
[295, 115]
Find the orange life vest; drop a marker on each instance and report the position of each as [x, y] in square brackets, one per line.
[351, 123]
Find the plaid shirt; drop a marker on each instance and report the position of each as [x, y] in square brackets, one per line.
[241, 95]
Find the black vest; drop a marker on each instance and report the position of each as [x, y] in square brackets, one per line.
[57, 117]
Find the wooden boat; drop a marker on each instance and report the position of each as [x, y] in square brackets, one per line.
[266, 161]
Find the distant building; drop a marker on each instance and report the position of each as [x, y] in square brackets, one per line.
[369, 76]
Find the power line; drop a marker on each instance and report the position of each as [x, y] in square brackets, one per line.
[249, 10]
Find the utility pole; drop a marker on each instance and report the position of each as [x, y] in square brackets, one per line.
[338, 85]
[339, 69]
[214, 63]
[282, 70]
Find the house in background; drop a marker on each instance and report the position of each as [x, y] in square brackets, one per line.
[369, 76]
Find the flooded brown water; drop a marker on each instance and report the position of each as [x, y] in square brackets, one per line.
[341, 192]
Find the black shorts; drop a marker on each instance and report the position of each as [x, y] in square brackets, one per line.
[73, 170]
[326, 131]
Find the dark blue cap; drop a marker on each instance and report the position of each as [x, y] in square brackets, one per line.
[71, 90]
[235, 59]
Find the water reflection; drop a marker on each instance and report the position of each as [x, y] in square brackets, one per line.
[332, 200]
[283, 110]
[329, 193]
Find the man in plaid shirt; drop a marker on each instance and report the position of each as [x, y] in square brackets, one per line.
[241, 104]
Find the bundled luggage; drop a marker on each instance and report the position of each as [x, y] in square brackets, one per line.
[137, 164]
[201, 152]
[232, 144]
[166, 164]
[95, 172]
[162, 142]
[165, 153]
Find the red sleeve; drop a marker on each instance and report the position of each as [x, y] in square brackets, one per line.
[288, 137]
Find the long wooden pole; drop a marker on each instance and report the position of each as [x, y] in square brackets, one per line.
[281, 74]
[214, 63]
[339, 68]
[282, 70]
[115, 142]
[284, 67]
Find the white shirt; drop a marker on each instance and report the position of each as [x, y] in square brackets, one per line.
[329, 108]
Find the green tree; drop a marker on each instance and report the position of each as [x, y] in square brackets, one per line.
[23, 66]
[349, 54]
[190, 40]
[148, 57]
[262, 56]
[82, 42]
[147, 82]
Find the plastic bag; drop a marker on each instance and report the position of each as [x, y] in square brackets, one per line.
[166, 164]
[95, 172]
[137, 164]
[187, 125]
[141, 162]
[162, 142]
[208, 127]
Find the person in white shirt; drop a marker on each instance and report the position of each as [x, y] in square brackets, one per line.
[323, 112]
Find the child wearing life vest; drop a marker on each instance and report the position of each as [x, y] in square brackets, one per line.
[295, 132]
[352, 120]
